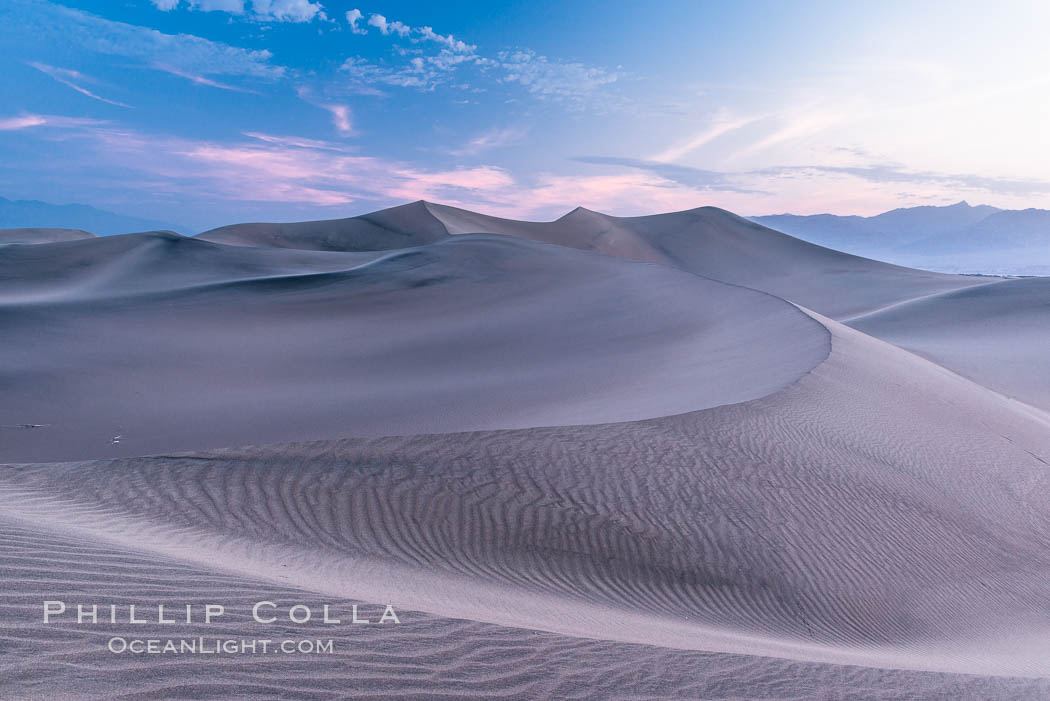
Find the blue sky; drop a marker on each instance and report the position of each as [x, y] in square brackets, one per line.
[216, 111]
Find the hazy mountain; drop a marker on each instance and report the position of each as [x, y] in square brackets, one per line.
[1026, 228]
[36, 214]
[955, 238]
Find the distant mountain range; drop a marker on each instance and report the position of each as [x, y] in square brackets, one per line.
[955, 238]
[36, 214]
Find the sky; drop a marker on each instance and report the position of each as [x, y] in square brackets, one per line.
[209, 112]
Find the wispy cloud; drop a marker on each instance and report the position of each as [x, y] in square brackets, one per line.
[28, 121]
[299, 172]
[201, 80]
[704, 180]
[723, 124]
[66, 77]
[340, 118]
[765, 181]
[298, 142]
[795, 127]
[493, 138]
[183, 55]
[894, 173]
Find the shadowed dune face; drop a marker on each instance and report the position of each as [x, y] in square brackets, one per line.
[397, 227]
[996, 334]
[33, 236]
[226, 345]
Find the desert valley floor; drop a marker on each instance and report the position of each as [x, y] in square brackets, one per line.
[671, 456]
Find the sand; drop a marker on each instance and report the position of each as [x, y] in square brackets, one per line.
[33, 236]
[474, 332]
[594, 478]
[397, 227]
[997, 334]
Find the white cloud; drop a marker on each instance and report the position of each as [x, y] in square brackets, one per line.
[380, 22]
[401, 29]
[66, 77]
[448, 40]
[264, 10]
[352, 18]
[547, 78]
[288, 10]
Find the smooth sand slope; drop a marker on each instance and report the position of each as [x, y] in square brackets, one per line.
[997, 334]
[153, 342]
[32, 236]
[879, 512]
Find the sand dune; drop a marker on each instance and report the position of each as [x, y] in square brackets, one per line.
[723, 246]
[149, 262]
[576, 476]
[425, 656]
[475, 332]
[997, 334]
[707, 241]
[32, 236]
[835, 521]
[397, 227]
